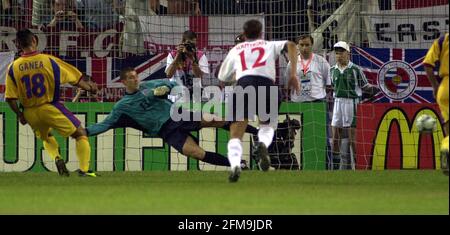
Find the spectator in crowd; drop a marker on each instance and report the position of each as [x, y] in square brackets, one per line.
[42, 13]
[56, 13]
[285, 19]
[10, 11]
[100, 14]
[64, 15]
[155, 7]
[219, 7]
[313, 72]
[318, 12]
[186, 64]
[119, 7]
[133, 33]
[183, 7]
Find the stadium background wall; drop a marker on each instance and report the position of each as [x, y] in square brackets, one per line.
[390, 141]
[128, 150]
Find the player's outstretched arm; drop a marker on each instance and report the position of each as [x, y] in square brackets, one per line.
[110, 122]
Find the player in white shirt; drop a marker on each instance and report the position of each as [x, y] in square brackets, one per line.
[253, 64]
[313, 72]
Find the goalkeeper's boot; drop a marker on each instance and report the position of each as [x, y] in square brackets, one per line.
[87, 173]
[444, 155]
[61, 166]
[262, 156]
[234, 174]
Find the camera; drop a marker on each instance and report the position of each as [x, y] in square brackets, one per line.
[239, 39]
[280, 151]
[190, 47]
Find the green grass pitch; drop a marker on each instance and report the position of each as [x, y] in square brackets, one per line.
[273, 192]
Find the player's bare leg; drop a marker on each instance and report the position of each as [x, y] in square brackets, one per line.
[336, 141]
[191, 149]
[211, 120]
[352, 144]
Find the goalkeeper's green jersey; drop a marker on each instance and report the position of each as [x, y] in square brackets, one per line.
[140, 110]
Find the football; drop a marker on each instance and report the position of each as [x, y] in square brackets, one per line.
[426, 123]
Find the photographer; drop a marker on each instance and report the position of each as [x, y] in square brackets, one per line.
[187, 63]
[65, 15]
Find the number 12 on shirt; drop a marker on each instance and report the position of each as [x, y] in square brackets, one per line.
[257, 63]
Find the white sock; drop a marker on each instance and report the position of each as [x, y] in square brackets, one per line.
[265, 134]
[234, 152]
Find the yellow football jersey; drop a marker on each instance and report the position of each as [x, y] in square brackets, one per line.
[439, 51]
[35, 79]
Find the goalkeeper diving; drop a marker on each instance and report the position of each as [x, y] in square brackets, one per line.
[145, 107]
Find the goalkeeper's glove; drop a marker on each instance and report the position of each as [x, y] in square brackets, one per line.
[161, 90]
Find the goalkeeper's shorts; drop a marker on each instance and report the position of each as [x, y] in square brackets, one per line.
[175, 133]
[51, 116]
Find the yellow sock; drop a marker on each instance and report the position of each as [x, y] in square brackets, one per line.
[51, 145]
[445, 144]
[83, 152]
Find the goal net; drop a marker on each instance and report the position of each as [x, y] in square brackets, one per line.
[388, 40]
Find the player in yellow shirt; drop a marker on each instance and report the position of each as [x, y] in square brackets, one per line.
[34, 79]
[439, 52]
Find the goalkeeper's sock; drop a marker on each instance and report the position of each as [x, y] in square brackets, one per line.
[83, 152]
[234, 152]
[216, 159]
[51, 146]
[250, 129]
[265, 134]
